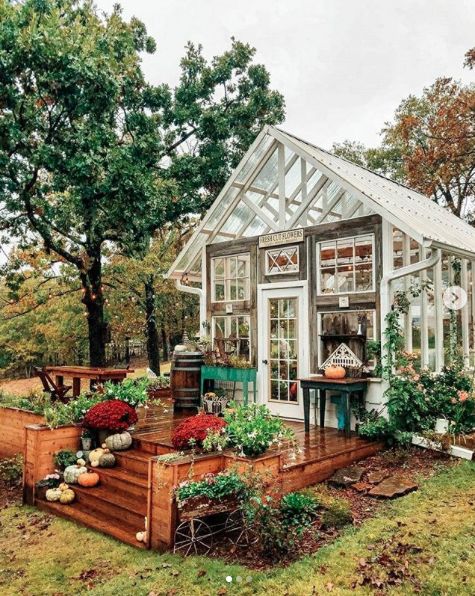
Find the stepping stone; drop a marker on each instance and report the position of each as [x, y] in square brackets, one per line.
[377, 476]
[347, 476]
[362, 487]
[393, 487]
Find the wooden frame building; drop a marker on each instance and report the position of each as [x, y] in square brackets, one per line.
[303, 250]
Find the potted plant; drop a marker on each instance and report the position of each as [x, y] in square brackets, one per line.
[49, 481]
[159, 387]
[86, 439]
[110, 417]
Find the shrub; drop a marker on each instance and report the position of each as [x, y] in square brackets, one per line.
[82, 404]
[252, 429]
[193, 431]
[65, 458]
[11, 470]
[375, 428]
[114, 415]
[298, 509]
[279, 526]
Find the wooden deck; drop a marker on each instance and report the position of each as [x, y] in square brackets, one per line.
[141, 488]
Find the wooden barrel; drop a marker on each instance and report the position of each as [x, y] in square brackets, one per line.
[185, 379]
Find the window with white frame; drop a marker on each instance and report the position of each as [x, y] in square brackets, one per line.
[230, 278]
[282, 260]
[231, 334]
[346, 265]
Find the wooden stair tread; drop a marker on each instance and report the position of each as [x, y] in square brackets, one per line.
[75, 512]
[116, 498]
[121, 474]
[136, 454]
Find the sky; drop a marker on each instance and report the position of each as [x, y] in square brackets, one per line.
[343, 66]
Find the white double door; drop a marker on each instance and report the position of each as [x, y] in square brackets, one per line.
[283, 346]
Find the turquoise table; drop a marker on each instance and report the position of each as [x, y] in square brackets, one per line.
[233, 375]
[347, 388]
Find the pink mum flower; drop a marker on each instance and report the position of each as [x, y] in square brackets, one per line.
[463, 395]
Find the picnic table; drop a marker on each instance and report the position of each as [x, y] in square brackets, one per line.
[94, 374]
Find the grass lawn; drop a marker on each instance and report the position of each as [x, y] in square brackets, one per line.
[421, 543]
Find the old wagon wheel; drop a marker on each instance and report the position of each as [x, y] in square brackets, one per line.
[238, 529]
[193, 537]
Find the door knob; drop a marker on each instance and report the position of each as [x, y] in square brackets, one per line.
[265, 362]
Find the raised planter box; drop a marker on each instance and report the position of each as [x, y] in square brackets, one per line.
[41, 445]
[12, 429]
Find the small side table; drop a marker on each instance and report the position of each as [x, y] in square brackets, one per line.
[233, 375]
[345, 387]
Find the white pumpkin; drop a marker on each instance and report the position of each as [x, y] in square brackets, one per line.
[119, 441]
[53, 494]
[71, 473]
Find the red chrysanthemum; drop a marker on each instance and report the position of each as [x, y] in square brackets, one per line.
[112, 414]
[195, 428]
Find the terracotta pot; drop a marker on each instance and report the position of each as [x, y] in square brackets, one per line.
[335, 372]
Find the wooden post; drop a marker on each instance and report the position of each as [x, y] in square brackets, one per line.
[424, 316]
[406, 260]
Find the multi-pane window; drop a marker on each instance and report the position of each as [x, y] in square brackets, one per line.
[230, 278]
[283, 349]
[346, 265]
[282, 260]
[231, 335]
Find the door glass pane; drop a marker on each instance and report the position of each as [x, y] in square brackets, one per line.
[283, 350]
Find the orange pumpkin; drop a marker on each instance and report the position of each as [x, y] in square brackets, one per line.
[88, 479]
[335, 372]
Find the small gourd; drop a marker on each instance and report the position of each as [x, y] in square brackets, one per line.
[95, 456]
[119, 441]
[107, 460]
[335, 372]
[88, 479]
[141, 536]
[53, 494]
[71, 473]
[81, 462]
[67, 496]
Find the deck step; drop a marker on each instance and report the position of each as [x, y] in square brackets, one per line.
[105, 501]
[123, 481]
[133, 460]
[76, 512]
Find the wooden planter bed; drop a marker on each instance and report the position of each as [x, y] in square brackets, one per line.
[12, 429]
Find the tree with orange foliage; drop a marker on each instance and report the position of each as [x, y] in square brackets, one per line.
[435, 135]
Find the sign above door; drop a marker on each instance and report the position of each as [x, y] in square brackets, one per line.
[278, 238]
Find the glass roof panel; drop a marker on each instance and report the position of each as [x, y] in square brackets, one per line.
[293, 178]
[237, 218]
[254, 158]
[256, 228]
[221, 207]
[267, 177]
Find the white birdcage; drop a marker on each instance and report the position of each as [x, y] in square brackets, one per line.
[343, 356]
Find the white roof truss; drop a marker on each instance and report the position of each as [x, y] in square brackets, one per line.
[283, 182]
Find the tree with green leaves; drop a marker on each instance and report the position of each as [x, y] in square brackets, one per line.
[91, 155]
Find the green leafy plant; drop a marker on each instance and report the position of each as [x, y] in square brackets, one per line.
[49, 481]
[252, 429]
[298, 509]
[64, 458]
[213, 487]
[160, 382]
[215, 440]
[11, 470]
[130, 391]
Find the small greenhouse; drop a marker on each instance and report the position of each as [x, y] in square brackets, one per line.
[304, 251]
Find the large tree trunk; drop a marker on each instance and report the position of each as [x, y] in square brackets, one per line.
[153, 347]
[93, 299]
